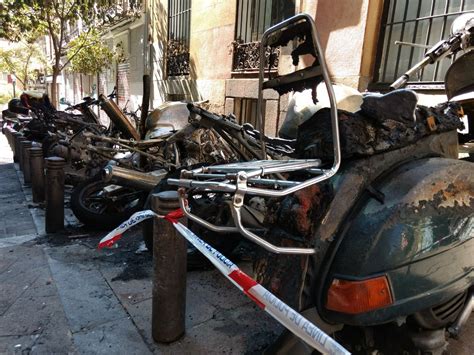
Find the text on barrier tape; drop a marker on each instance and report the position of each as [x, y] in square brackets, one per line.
[283, 313]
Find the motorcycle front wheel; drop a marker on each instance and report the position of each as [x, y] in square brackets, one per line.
[103, 206]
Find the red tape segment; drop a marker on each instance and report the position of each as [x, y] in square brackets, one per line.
[108, 243]
[246, 282]
[174, 216]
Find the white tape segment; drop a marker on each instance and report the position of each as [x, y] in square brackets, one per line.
[283, 313]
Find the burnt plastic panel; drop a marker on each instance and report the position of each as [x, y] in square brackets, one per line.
[421, 236]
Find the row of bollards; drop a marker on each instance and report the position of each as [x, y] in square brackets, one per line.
[45, 176]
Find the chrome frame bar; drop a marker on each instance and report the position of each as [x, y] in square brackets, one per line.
[325, 72]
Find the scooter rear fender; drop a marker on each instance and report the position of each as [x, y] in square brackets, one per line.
[421, 236]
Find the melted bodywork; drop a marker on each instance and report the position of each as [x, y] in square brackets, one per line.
[292, 221]
[421, 236]
[354, 181]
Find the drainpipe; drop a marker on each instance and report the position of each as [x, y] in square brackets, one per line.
[146, 72]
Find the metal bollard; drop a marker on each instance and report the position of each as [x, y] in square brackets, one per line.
[25, 158]
[16, 146]
[54, 194]
[169, 270]
[14, 135]
[37, 173]
[8, 134]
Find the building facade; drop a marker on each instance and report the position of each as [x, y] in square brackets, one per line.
[207, 49]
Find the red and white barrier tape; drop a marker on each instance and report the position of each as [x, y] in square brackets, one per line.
[283, 313]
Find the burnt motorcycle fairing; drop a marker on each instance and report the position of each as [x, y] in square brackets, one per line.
[421, 237]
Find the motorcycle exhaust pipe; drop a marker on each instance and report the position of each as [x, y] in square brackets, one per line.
[131, 178]
[118, 118]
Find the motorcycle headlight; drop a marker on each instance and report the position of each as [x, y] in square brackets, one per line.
[463, 23]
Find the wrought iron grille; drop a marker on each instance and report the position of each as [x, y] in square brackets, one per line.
[179, 21]
[421, 22]
[253, 18]
[119, 10]
[246, 57]
[246, 111]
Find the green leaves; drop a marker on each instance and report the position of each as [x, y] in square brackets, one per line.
[88, 55]
[28, 19]
[24, 60]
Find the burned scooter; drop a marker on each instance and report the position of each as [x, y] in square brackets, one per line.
[369, 229]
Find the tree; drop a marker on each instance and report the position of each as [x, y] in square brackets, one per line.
[89, 59]
[28, 19]
[18, 60]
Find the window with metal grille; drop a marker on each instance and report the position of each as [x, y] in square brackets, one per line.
[179, 21]
[422, 23]
[246, 111]
[253, 18]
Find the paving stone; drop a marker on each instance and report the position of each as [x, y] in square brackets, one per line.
[115, 337]
[15, 217]
[87, 299]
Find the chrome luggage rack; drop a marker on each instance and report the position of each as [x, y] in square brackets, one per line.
[268, 178]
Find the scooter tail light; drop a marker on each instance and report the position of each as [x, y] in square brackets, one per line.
[354, 297]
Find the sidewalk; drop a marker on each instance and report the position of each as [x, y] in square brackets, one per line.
[31, 315]
[59, 294]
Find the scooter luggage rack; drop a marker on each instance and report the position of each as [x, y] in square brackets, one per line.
[226, 178]
[263, 177]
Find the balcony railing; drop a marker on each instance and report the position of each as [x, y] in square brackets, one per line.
[246, 57]
[121, 10]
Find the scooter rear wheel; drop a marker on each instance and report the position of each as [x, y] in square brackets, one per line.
[99, 209]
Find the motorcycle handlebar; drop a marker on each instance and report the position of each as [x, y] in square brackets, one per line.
[402, 80]
[88, 103]
[434, 54]
[214, 119]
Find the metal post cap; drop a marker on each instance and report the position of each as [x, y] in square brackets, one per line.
[55, 162]
[35, 151]
[26, 143]
[171, 195]
[165, 201]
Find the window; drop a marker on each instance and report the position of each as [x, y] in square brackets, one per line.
[421, 22]
[246, 111]
[253, 18]
[179, 20]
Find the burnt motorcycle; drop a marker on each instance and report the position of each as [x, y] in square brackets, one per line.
[367, 227]
[135, 166]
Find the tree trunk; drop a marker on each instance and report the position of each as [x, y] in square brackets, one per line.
[54, 88]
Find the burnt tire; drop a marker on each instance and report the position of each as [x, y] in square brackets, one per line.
[96, 211]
